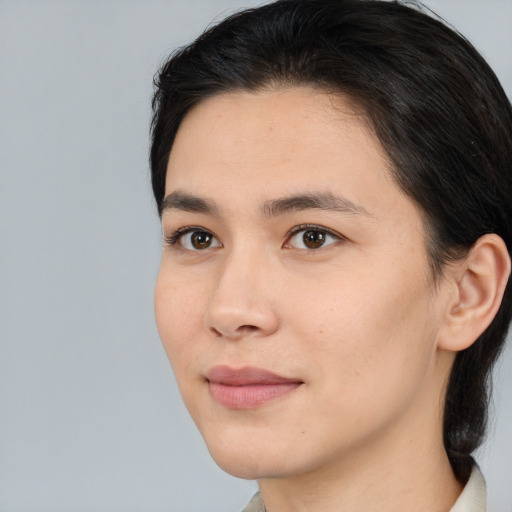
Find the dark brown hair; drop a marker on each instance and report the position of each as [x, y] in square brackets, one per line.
[435, 105]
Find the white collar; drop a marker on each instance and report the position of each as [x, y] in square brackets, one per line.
[474, 495]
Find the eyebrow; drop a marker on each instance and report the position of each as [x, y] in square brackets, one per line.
[310, 201]
[189, 203]
[183, 201]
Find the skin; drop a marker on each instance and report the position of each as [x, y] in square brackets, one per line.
[358, 321]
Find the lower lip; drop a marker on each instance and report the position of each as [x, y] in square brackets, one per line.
[249, 396]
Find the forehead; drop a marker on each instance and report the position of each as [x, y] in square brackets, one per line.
[298, 134]
[267, 110]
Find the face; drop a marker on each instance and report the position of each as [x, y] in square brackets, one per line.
[294, 297]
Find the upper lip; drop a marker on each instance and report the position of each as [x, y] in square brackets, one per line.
[245, 376]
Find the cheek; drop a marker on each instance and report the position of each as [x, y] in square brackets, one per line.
[177, 313]
[369, 328]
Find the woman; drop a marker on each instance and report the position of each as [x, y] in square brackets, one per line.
[334, 182]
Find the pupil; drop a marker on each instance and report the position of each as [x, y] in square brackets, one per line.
[201, 240]
[314, 239]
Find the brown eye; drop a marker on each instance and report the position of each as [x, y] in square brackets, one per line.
[201, 239]
[312, 237]
[196, 240]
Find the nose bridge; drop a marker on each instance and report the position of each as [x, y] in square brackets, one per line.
[242, 302]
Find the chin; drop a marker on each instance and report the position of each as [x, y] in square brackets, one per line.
[251, 469]
[242, 469]
[239, 461]
[247, 460]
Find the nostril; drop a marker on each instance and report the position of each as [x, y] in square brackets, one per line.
[229, 318]
[246, 329]
[242, 330]
[217, 333]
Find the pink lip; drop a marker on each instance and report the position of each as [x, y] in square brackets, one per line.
[247, 387]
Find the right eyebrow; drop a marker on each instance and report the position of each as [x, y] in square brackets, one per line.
[310, 201]
[178, 200]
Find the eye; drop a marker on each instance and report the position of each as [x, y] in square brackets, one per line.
[311, 237]
[194, 239]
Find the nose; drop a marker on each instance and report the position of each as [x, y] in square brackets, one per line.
[243, 302]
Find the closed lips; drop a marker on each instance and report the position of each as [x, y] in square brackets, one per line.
[247, 387]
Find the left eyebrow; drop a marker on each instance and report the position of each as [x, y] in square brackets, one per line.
[179, 200]
[316, 201]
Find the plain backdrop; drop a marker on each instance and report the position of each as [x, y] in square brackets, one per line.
[90, 417]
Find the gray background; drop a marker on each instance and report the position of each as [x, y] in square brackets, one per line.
[90, 417]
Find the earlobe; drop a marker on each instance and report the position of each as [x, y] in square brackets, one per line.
[479, 280]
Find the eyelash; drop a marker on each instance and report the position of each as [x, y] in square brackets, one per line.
[314, 227]
[175, 237]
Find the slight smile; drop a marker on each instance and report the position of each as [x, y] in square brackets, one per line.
[247, 387]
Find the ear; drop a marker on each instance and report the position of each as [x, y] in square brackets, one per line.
[478, 282]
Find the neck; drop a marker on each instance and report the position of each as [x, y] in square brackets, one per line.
[393, 484]
[404, 468]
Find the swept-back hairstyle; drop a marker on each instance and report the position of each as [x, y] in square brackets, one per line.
[435, 105]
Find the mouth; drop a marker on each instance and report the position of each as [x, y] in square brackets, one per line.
[247, 387]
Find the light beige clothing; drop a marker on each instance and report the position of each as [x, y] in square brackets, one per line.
[472, 499]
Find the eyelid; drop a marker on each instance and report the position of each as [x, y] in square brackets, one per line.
[314, 227]
[174, 238]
